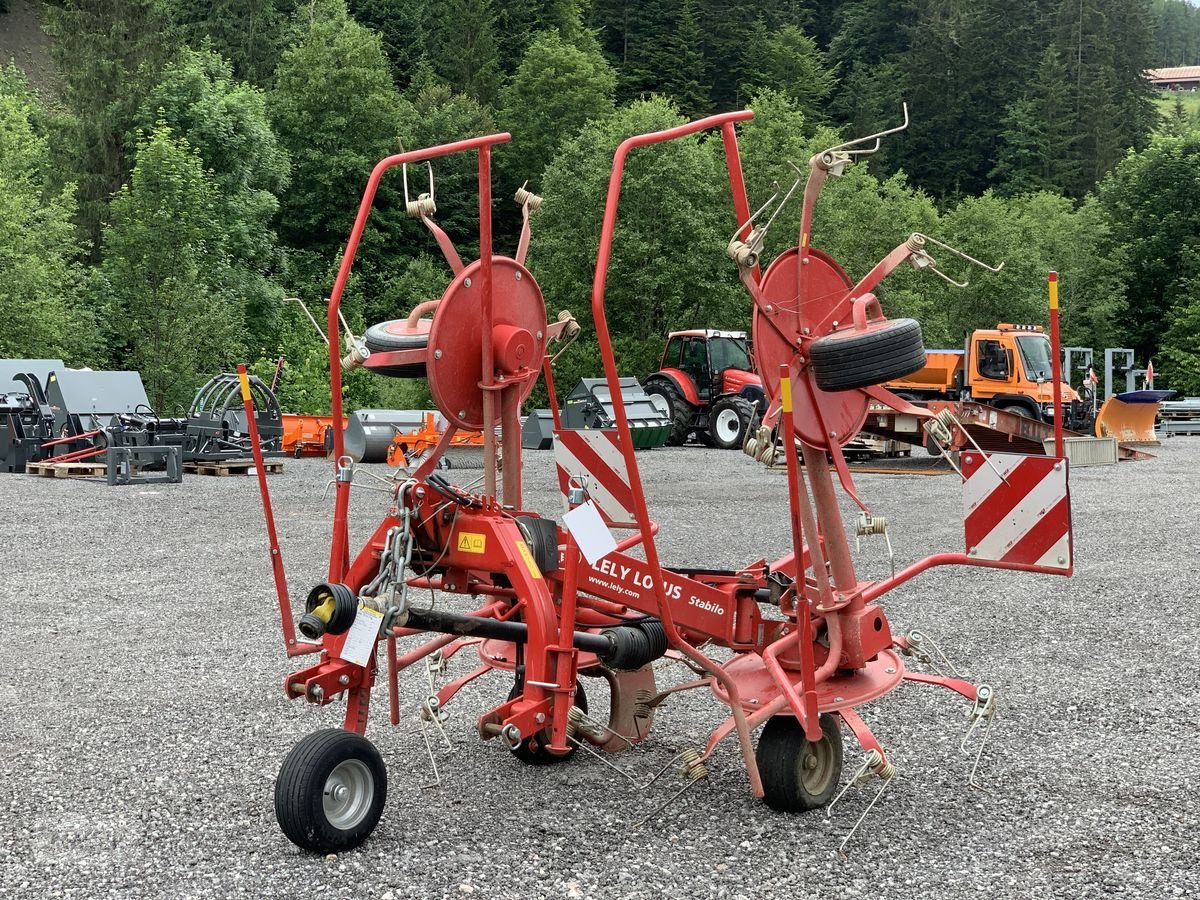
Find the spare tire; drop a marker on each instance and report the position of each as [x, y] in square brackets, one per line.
[884, 351]
[394, 335]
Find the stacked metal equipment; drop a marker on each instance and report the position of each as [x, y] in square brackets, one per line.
[26, 420]
[590, 406]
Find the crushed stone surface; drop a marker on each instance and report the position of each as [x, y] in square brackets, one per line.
[144, 720]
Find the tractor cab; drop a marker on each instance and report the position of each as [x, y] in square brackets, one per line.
[715, 361]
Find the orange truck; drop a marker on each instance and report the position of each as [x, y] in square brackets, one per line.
[1008, 367]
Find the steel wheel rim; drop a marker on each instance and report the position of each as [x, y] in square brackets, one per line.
[348, 793]
[816, 765]
[728, 425]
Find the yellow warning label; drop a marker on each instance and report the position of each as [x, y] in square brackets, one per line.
[785, 392]
[523, 549]
[469, 542]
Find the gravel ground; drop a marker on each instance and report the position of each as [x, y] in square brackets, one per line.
[145, 721]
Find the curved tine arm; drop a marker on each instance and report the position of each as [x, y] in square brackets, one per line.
[862, 151]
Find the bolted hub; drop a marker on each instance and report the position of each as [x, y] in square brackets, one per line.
[513, 348]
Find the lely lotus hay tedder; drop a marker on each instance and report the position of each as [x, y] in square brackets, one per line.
[801, 642]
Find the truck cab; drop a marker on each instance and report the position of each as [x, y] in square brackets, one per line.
[1010, 367]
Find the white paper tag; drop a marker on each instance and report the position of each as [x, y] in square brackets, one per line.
[590, 533]
[360, 639]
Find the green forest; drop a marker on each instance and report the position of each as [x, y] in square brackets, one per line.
[193, 165]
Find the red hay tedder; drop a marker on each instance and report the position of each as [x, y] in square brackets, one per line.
[804, 642]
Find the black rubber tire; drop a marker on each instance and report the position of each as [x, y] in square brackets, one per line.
[682, 412]
[799, 775]
[741, 408]
[1020, 409]
[850, 359]
[541, 535]
[379, 340]
[532, 750]
[302, 783]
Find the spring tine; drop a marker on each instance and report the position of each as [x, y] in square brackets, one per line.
[962, 255]
[851, 146]
[437, 778]
[979, 755]
[942, 275]
[887, 773]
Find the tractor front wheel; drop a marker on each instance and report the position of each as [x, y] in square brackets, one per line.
[330, 791]
[799, 774]
[729, 420]
[681, 411]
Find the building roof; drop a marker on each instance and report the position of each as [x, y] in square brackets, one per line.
[1178, 73]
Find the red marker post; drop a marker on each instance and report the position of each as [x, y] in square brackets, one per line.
[1056, 365]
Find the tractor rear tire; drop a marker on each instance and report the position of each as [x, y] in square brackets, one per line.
[532, 751]
[330, 792]
[728, 422]
[682, 412]
[380, 340]
[798, 774]
[849, 359]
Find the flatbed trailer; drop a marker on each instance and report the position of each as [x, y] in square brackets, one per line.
[993, 430]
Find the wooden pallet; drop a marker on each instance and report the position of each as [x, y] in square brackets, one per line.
[230, 467]
[67, 470]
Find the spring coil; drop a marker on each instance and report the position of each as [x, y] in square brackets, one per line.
[691, 766]
[875, 763]
[422, 206]
[524, 197]
[869, 525]
[642, 706]
[941, 427]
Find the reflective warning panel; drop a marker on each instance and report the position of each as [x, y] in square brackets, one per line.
[594, 455]
[1017, 509]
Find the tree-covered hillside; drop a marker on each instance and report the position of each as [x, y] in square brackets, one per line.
[197, 163]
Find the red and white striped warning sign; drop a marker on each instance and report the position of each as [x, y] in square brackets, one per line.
[594, 459]
[1017, 509]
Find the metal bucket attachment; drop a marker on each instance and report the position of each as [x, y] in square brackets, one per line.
[85, 401]
[1129, 417]
[11, 368]
[538, 431]
[590, 406]
[369, 432]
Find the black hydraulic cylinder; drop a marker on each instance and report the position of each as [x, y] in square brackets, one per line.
[477, 626]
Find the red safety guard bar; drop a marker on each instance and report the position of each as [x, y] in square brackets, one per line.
[339, 552]
[725, 122]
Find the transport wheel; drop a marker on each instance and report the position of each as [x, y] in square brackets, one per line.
[390, 335]
[850, 359]
[681, 411]
[798, 774]
[532, 751]
[729, 420]
[330, 791]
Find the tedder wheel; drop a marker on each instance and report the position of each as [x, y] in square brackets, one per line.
[532, 751]
[728, 421]
[384, 337]
[850, 359]
[330, 791]
[798, 774]
[681, 410]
